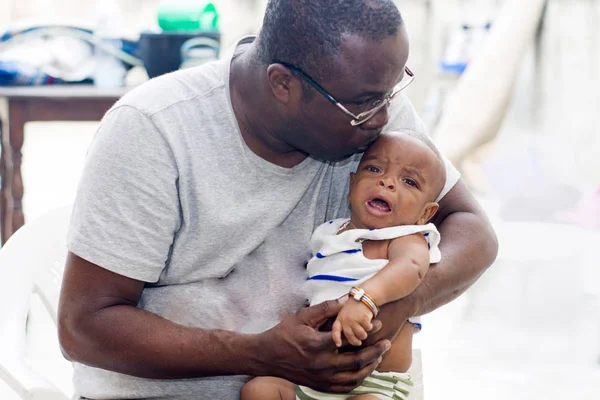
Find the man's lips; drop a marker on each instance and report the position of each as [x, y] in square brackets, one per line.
[375, 135]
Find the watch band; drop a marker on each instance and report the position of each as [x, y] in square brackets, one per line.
[359, 294]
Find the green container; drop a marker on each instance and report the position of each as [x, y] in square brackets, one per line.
[187, 16]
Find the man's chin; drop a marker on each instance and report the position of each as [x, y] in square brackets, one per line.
[333, 158]
[338, 157]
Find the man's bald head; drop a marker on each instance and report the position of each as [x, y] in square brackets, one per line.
[309, 33]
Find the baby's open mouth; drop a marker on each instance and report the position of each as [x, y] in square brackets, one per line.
[379, 204]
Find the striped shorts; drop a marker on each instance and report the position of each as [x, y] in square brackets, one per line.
[383, 385]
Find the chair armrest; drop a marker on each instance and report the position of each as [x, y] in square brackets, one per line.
[26, 383]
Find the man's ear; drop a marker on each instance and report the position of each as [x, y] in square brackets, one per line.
[283, 83]
[428, 212]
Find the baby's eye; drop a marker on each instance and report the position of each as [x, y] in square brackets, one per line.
[410, 182]
[372, 168]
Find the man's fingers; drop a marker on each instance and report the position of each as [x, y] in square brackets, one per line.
[314, 316]
[344, 382]
[354, 361]
[376, 326]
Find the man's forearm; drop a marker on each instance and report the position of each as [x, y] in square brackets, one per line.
[468, 246]
[135, 342]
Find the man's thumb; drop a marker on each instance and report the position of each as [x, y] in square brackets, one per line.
[315, 315]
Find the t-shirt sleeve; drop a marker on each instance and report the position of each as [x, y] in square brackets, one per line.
[126, 211]
[402, 115]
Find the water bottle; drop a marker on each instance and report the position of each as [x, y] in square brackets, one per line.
[188, 16]
[109, 71]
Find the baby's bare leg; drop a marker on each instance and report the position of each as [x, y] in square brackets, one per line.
[268, 388]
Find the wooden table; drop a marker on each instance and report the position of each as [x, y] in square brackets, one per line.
[38, 103]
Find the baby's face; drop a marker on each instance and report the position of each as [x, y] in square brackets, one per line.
[396, 183]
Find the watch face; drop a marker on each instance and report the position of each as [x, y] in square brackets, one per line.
[358, 294]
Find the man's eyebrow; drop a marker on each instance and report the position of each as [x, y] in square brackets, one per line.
[370, 93]
[374, 93]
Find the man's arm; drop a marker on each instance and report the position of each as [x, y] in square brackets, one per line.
[468, 246]
[99, 325]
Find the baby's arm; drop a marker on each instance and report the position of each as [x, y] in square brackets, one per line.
[408, 263]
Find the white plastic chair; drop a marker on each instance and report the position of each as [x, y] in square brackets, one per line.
[31, 264]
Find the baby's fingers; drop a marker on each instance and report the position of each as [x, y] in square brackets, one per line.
[359, 331]
[367, 326]
[336, 333]
[350, 336]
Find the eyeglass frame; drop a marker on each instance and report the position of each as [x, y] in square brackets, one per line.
[364, 116]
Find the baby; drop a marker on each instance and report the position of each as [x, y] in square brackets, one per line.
[378, 256]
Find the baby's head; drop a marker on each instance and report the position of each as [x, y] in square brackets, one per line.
[397, 182]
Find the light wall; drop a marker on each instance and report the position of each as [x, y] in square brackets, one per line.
[238, 17]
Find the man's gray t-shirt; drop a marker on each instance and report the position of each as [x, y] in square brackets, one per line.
[172, 196]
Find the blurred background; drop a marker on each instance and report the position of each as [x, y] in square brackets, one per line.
[510, 92]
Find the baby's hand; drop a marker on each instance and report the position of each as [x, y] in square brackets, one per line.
[354, 320]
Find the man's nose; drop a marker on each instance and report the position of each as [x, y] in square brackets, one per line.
[386, 183]
[379, 120]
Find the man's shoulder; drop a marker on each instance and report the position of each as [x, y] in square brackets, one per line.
[168, 90]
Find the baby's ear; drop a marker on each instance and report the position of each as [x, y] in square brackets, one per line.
[428, 212]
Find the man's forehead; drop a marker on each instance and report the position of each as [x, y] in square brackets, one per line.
[368, 65]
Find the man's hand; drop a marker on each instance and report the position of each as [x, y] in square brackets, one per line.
[354, 320]
[295, 350]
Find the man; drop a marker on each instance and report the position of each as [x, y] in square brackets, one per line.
[201, 190]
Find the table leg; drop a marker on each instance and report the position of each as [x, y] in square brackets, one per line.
[22, 109]
[3, 187]
[17, 116]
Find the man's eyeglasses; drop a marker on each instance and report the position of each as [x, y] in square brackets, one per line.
[376, 106]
